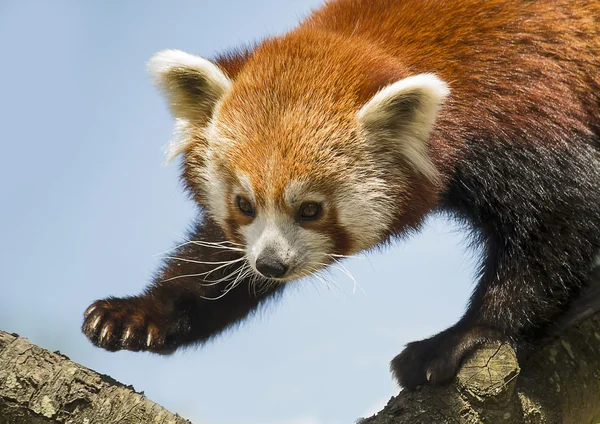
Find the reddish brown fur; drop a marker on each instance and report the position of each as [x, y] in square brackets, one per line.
[498, 57]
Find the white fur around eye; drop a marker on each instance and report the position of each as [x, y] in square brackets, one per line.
[216, 191]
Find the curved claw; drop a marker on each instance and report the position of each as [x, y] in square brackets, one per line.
[437, 360]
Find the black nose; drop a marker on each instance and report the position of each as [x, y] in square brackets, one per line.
[271, 267]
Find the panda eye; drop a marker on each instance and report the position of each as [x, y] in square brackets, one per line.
[309, 211]
[244, 206]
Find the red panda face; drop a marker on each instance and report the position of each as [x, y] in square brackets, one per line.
[294, 166]
[297, 193]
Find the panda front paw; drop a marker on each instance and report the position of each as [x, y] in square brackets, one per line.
[436, 360]
[127, 324]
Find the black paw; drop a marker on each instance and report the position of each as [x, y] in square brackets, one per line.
[126, 324]
[436, 360]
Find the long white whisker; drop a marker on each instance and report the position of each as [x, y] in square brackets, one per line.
[315, 272]
[205, 262]
[338, 265]
[215, 298]
[349, 274]
[230, 286]
[262, 285]
[334, 255]
[203, 274]
[215, 245]
[331, 285]
[171, 249]
[226, 278]
[253, 284]
[224, 266]
[319, 273]
[240, 273]
[187, 275]
[313, 278]
[211, 242]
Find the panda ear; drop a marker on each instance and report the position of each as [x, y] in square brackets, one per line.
[400, 117]
[192, 85]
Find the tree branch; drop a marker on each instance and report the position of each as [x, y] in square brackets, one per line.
[558, 384]
[41, 387]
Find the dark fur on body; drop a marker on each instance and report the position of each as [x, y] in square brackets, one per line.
[518, 148]
[535, 214]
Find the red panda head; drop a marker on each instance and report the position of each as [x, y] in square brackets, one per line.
[299, 158]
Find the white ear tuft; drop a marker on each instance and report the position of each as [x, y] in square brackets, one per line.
[401, 117]
[163, 62]
[193, 86]
[180, 141]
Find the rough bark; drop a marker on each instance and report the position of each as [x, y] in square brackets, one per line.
[558, 384]
[41, 387]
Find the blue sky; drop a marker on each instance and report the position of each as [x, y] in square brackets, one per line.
[87, 204]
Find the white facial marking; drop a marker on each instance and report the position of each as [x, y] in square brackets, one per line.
[297, 192]
[246, 188]
[275, 232]
[364, 210]
[216, 190]
[361, 205]
[269, 231]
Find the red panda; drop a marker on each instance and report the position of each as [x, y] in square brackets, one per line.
[350, 129]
